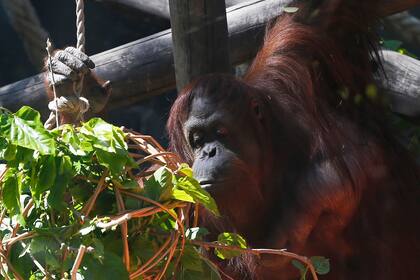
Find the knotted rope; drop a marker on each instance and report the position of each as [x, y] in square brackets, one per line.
[75, 105]
[69, 104]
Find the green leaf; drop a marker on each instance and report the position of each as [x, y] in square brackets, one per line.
[104, 135]
[109, 144]
[110, 267]
[46, 176]
[185, 169]
[229, 239]
[193, 188]
[130, 184]
[99, 251]
[21, 261]
[191, 259]
[28, 114]
[11, 192]
[164, 177]
[182, 196]
[321, 264]
[144, 248]
[46, 250]
[77, 143]
[24, 155]
[114, 162]
[26, 130]
[392, 45]
[9, 153]
[152, 188]
[62, 180]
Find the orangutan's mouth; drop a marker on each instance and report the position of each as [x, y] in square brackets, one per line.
[211, 185]
[207, 183]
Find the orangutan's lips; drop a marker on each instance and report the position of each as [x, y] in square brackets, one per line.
[206, 183]
[210, 184]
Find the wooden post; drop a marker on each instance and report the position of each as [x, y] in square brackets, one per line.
[200, 38]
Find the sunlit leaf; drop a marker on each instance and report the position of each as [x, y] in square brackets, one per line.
[182, 195]
[25, 129]
[186, 170]
[193, 188]
[230, 239]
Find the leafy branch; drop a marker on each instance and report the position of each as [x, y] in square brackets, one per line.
[64, 193]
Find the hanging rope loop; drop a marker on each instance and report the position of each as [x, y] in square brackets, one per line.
[66, 104]
[69, 104]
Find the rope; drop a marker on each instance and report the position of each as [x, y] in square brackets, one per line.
[406, 26]
[27, 25]
[66, 104]
[81, 40]
[51, 73]
[75, 105]
[80, 24]
[69, 104]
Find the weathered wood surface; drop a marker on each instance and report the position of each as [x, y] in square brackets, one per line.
[161, 7]
[200, 39]
[158, 7]
[144, 68]
[154, 7]
[401, 83]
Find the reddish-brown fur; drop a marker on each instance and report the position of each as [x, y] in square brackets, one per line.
[365, 221]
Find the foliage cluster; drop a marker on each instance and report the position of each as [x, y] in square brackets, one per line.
[47, 188]
[65, 192]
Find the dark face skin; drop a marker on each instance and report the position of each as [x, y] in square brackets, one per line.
[227, 157]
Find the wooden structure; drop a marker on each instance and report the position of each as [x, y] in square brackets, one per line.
[200, 39]
[144, 68]
[161, 7]
[402, 83]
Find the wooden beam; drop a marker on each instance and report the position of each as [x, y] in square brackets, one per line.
[401, 83]
[157, 7]
[200, 39]
[144, 68]
[161, 7]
